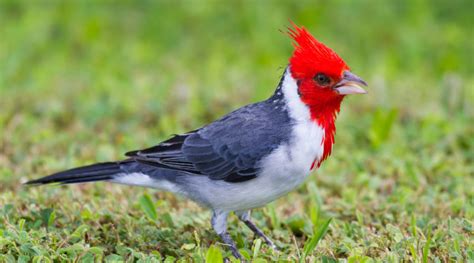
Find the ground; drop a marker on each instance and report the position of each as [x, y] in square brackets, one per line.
[82, 82]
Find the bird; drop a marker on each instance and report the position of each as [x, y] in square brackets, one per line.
[251, 156]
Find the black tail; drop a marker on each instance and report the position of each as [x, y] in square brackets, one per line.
[90, 173]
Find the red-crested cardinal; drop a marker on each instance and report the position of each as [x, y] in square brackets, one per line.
[250, 156]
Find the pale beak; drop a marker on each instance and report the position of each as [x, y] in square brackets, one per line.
[350, 84]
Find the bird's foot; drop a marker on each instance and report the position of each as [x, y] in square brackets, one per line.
[245, 217]
[269, 242]
[260, 234]
[273, 246]
[228, 241]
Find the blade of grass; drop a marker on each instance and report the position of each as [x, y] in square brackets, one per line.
[426, 247]
[214, 255]
[148, 207]
[313, 242]
[256, 247]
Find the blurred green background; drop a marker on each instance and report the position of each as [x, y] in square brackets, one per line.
[85, 81]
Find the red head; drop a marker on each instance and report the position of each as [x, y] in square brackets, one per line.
[323, 80]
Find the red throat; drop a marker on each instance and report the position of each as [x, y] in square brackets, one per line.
[324, 111]
[329, 131]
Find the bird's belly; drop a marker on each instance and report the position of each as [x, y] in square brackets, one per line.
[226, 196]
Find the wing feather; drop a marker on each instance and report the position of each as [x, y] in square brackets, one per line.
[228, 149]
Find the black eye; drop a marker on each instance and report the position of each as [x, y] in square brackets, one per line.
[322, 79]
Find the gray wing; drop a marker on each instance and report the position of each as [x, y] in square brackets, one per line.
[228, 149]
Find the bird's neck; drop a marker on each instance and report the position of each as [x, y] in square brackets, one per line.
[321, 110]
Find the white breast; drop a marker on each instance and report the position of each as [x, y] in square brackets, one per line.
[288, 166]
[293, 160]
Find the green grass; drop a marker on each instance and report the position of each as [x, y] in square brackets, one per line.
[83, 82]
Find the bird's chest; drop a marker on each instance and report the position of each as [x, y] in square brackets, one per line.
[289, 165]
[292, 162]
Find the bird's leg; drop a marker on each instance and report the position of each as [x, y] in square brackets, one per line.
[245, 217]
[219, 223]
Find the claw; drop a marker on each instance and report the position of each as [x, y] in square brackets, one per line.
[245, 217]
[231, 244]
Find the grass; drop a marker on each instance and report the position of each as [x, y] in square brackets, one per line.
[82, 82]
